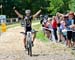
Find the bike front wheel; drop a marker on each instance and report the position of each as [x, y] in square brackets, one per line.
[30, 49]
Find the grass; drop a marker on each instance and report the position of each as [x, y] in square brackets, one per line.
[34, 21]
[40, 35]
[37, 27]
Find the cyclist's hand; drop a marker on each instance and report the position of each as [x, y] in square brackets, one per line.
[14, 8]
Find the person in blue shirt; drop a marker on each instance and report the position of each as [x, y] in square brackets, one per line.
[69, 22]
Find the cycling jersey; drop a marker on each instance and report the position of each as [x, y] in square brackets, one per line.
[27, 23]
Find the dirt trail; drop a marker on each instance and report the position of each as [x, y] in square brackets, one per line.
[11, 48]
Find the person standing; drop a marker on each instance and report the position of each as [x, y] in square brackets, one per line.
[69, 22]
[54, 26]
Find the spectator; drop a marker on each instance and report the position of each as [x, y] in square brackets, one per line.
[48, 28]
[63, 29]
[73, 32]
[54, 26]
[44, 24]
[69, 30]
[58, 18]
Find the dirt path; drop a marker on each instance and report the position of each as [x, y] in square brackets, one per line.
[11, 48]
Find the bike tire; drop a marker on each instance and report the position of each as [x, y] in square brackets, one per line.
[30, 49]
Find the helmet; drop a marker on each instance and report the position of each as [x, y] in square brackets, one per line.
[28, 11]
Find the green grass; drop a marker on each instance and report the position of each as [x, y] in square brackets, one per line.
[40, 35]
[37, 27]
[34, 21]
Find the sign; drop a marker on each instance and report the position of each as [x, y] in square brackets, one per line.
[2, 19]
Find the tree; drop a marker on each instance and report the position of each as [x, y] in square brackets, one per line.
[72, 5]
[65, 7]
[50, 6]
[22, 5]
[55, 6]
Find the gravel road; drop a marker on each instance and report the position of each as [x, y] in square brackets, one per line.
[11, 48]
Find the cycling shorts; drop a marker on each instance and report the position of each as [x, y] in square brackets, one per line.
[27, 29]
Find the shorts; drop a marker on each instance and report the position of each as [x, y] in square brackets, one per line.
[28, 29]
[73, 36]
[58, 30]
[69, 35]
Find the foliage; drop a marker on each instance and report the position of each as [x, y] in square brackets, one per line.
[55, 6]
[21, 5]
[50, 6]
[72, 5]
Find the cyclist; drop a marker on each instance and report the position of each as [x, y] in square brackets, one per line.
[27, 22]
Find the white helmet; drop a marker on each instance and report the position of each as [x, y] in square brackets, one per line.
[28, 11]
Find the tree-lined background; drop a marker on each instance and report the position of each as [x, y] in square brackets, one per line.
[50, 6]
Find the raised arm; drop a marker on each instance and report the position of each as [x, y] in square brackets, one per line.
[35, 15]
[19, 15]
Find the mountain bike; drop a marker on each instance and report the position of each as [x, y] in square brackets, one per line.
[29, 43]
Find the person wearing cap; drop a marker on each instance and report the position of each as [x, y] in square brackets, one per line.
[27, 21]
